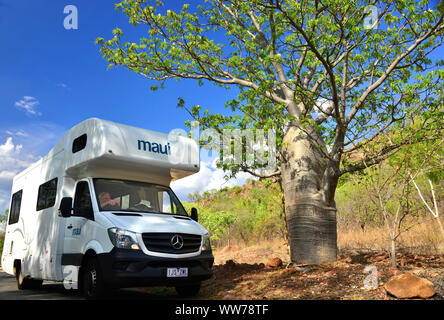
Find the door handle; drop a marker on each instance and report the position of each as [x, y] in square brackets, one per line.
[70, 226]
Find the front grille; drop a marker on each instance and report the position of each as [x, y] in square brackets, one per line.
[161, 242]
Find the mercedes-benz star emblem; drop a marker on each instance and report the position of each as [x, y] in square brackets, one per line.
[177, 242]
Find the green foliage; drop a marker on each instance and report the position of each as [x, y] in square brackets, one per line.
[2, 242]
[355, 206]
[357, 197]
[4, 217]
[242, 214]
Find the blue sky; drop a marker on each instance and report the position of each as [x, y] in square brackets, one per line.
[52, 78]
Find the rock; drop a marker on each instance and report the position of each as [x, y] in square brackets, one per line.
[409, 286]
[230, 263]
[274, 263]
[300, 269]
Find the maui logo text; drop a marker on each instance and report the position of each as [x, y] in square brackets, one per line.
[153, 147]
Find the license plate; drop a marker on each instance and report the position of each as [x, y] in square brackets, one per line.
[177, 272]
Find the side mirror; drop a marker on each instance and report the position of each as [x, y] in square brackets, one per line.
[194, 214]
[65, 207]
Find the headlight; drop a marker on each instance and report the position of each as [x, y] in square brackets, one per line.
[123, 239]
[206, 245]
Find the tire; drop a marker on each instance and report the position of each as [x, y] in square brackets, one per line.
[92, 285]
[188, 290]
[35, 284]
[23, 282]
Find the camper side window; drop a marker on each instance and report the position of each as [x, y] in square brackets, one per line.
[79, 143]
[47, 194]
[15, 207]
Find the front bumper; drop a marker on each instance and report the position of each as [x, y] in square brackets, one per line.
[133, 268]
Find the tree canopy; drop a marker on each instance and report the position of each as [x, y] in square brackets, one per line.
[315, 63]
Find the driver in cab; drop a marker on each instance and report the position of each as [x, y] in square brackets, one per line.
[106, 203]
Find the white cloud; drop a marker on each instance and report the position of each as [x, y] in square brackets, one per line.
[12, 161]
[19, 149]
[63, 85]
[321, 106]
[209, 177]
[28, 104]
[19, 133]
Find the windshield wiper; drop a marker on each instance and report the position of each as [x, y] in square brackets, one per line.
[126, 214]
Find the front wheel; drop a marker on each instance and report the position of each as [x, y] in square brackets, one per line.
[92, 280]
[188, 290]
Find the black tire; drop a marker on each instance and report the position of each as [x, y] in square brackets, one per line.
[92, 285]
[24, 283]
[35, 284]
[188, 290]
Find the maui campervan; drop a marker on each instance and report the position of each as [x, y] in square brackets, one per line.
[97, 212]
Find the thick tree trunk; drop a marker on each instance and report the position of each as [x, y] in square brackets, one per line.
[309, 205]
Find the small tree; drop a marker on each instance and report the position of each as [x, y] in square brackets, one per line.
[391, 194]
[219, 224]
[391, 185]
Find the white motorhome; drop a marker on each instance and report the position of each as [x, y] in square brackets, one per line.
[98, 211]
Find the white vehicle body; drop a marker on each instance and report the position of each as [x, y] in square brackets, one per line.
[43, 242]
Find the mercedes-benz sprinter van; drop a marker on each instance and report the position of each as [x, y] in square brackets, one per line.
[97, 212]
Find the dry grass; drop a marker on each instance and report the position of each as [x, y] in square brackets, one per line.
[258, 253]
[421, 239]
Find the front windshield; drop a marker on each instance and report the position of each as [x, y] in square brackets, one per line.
[120, 195]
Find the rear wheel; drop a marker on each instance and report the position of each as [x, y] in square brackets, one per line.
[93, 285]
[188, 290]
[23, 282]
